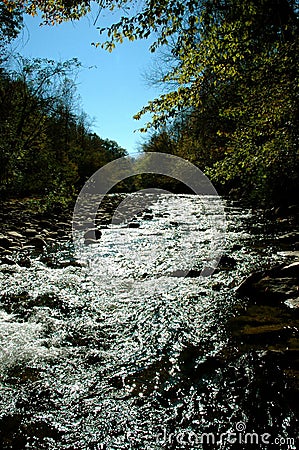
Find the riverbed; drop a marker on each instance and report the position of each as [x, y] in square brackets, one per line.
[124, 344]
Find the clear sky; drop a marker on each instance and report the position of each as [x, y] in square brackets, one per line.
[114, 89]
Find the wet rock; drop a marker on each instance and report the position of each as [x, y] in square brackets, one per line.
[133, 225]
[45, 223]
[5, 251]
[227, 262]
[290, 254]
[293, 209]
[265, 334]
[289, 238]
[292, 303]
[5, 242]
[247, 286]
[194, 273]
[148, 216]
[64, 225]
[15, 235]
[277, 283]
[52, 234]
[30, 232]
[37, 242]
[281, 211]
[8, 261]
[292, 270]
[25, 262]
[276, 288]
[236, 247]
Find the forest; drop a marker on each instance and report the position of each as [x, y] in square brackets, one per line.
[230, 104]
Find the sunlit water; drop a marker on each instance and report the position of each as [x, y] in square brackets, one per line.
[120, 353]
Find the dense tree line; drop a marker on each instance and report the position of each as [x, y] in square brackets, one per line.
[231, 77]
[236, 116]
[47, 148]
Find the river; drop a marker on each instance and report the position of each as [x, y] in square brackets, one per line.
[108, 347]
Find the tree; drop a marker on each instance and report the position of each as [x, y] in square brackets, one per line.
[233, 75]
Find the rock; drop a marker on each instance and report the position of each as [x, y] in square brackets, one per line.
[265, 334]
[281, 211]
[289, 238]
[29, 232]
[45, 223]
[15, 234]
[148, 217]
[63, 225]
[227, 262]
[293, 209]
[24, 263]
[290, 254]
[5, 242]
[60, 232]
[37, 242]
[5, 251]
[247, 285]
[92, 234]
[133, 225]
[236, 247]
[275, 288]
[292, 270]
[52, 234]
[5, 260]
[292, 303]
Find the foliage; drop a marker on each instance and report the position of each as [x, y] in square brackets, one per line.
[232, 76]
[46, 146]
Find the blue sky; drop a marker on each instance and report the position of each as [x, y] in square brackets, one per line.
[114, 89]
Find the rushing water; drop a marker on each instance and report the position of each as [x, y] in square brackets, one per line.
[107, 348]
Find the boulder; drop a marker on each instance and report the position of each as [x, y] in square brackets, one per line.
[37, 242]
[5, 242]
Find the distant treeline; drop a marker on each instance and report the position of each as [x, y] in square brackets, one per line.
[47, 148]
[230, 69]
